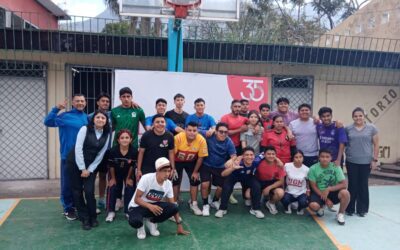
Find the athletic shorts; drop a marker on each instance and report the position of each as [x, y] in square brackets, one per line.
[189, 168]
[264, 184]
[333, 196]
[212, 174]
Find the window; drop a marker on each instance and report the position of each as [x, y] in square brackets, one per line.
[371, 22]
[385, 18]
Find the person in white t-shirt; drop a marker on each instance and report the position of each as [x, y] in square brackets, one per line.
[297, 188]
[147, 205]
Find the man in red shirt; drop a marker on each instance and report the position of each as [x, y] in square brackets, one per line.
[271, 175]
[236, 125]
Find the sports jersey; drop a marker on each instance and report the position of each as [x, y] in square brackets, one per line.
[204, 122]
[234, 122]
[266, 172]
[248, 170]
[330, 137]
[127, 118]
[280, 142]
[189, 152]
[170, 125]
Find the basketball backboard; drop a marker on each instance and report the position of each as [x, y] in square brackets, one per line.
[217, 10]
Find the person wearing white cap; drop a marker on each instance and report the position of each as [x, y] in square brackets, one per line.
[147, 207]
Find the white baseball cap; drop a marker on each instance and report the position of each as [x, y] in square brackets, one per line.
[162, 162]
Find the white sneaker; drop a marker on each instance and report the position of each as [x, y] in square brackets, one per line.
[172, 218]
[127, 216]
[110, 216]
[152, 227]
[220, 213]
[247, 203]
[195, 208]
[206, 210]
[215, 204]
[257, 213]
[98, 211]
[118, 205]
[141, 233]
[294, 205]
[289, 210]
[232, 200]
[340, 218]
[271, 207]
[320, 212]
[332, 209]
[301, 212]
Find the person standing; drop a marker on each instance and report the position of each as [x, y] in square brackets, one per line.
[361, 156]
[252, 137]
[103, 102]
[206, 122]
[161, 106]
[154, 144]
[283, 110]
[147, 205]
[236, 125]
[190, 150]
[178, 115]
[265, 119]
[69, 123]
[305, 132]
[122, 163]
[91, 144]
[244, 107]
[331, 136]
[220, 148]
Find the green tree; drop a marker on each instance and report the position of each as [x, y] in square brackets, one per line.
[119, 28]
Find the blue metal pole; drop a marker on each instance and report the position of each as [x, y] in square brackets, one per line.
[175, 45]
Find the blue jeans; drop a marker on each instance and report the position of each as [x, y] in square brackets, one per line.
[301, 199]
[66, 197]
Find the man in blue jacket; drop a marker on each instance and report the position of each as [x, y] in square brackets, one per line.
[69, 124]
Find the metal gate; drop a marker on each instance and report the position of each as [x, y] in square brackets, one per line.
[298, 89]
[23, 137]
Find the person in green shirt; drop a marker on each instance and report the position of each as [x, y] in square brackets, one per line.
[127, 117]
[328, 186]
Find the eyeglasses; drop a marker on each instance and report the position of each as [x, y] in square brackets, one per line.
[223, 132]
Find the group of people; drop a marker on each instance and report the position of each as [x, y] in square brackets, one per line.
[278, 156]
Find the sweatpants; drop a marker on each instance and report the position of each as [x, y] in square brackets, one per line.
[289, 198]
[66, 197]
[83, 193]
[115, 192]
[358, 175]
[248, 181]
[136, 214]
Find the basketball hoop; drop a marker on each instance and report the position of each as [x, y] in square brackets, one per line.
[182, 7]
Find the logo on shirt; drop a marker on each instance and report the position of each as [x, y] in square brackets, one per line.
[133, 114]
[155, 195]
[164, 144]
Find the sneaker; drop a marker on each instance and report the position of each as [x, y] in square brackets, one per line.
[152, 227]
[332, 209]
[172, 218]
[294, 205]
[215, 204]
[340, 218]
[86, 225]
[70, 215]
[288, 210]
[257, 213]
[232, 200]
[206, 210]
[101, 203]
[247, 203]
[98, 211]
[220, 213]
[349, 213]
[118, 205]
[271, 207]
[94, 223]
[320, 212]
[127, 216]
[195, 208]
[110, 216]
[141, 233]
[301, 212]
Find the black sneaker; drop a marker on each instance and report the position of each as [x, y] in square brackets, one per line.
[94, 223]
[70, 215]
[86, 225]
[349, 213]
[361, 214]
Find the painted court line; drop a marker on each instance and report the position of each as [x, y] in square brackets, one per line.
[9, 211]
[330, 235]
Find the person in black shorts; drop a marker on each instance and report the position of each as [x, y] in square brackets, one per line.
[122, 162]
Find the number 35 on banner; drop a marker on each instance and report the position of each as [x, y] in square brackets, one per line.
[254, 89]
